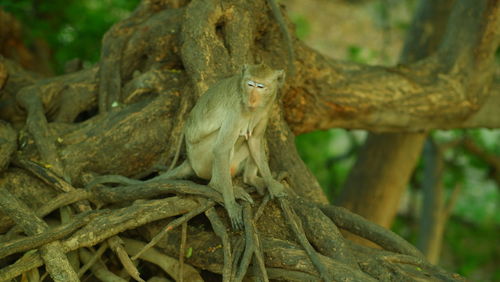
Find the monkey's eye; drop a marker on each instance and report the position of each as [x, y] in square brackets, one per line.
[260, 85]
[251, 83]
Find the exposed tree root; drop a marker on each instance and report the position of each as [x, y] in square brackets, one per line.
[153, 68]
[94, 257]
[173, 224]
[369, 230]
[220, 231]
[266, 253]
[35, 241]
[55, 261]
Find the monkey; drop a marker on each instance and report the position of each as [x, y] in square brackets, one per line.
[224, 135]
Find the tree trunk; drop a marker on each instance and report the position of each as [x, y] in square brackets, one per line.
[120, 120]
[380, 175]
[433, 218]
[386, 162]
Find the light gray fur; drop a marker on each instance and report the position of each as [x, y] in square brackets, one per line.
[224, 133]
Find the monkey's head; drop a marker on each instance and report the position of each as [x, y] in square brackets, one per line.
[260, 84]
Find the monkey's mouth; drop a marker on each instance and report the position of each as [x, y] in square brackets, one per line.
[252, 107]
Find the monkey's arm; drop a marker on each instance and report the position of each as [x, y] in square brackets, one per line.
[257, 153]
[221, 175]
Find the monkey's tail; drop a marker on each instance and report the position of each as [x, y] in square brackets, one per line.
[177, 152]
[183, 110]
[286, 33]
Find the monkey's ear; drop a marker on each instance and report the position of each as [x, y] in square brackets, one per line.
[244, 69]
[280, 77]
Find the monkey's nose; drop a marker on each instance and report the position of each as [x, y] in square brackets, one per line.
[254, 99]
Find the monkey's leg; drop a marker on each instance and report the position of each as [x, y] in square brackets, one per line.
[221, 171]
[276, 189]
[239, 157]
[181, 172]
[250, 176]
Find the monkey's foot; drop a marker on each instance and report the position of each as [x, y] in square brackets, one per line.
[257, 182]
[276, 189]
[240, 193]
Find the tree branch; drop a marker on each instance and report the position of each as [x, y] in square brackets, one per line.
[439, 92]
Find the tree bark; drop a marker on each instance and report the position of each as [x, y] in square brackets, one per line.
[128, 121]
[452, 83]
[432, 218]
[380, 175]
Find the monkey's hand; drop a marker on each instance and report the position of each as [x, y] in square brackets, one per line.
[234, 210]
[276, 189]
[235, 214]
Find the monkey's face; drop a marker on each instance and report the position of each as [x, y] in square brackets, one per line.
[259, 85]
[258, 93]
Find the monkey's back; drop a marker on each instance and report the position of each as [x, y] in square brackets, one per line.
[211, 109]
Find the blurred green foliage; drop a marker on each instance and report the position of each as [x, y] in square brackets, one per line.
[71, 28]
[470, 245]
[479, 197]
[330, 155]
[471, 251]
[470, 240]
[302, 26]
[361, 55]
